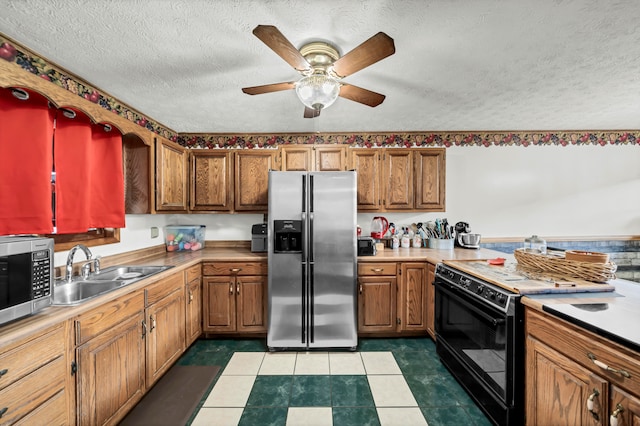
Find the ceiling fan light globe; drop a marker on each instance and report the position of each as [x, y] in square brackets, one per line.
[317, 91]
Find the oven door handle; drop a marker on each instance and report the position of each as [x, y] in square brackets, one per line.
[494, 321]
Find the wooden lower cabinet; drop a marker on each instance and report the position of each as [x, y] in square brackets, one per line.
[35, 380]
[392, 297]
[111, 372]
[193, 304]
[567, 379]
[235, 296]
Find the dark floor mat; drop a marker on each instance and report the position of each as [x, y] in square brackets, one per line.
[174, 398]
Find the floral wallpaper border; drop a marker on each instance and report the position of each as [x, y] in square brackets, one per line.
[30, 62]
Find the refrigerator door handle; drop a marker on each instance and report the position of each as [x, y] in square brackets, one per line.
[310, 193]
[311, 256]
[303, 305]
[311, 304]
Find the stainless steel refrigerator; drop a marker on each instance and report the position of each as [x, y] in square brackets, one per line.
[312, 260]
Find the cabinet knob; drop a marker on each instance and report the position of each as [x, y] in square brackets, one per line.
[3, 410]
[3, 372]
[613, 419]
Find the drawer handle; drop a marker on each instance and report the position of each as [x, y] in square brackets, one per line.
[377, 269]
[230, 288]
[235, 269]
[153, 323]
[3, 372]
[590, 404]
[144, 328]
[238, 288]
[3, 410]
[613, 419]
[360, 288]
[190, 296]
[604, 366]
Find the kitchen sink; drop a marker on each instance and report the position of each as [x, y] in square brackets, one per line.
[109, 279]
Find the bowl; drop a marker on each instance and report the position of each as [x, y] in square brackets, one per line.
[470, 239]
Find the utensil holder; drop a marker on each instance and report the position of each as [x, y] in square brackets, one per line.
[441, 244]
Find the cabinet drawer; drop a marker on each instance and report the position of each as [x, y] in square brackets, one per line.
[30, 356]
[33, 390]
[234, 268]
[581, 345]
[193, 273]
[106, 316]
[383, 268]
[163, 288]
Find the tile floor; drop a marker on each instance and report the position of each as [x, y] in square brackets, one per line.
[386, 382]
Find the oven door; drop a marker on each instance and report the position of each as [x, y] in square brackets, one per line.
[480, 337]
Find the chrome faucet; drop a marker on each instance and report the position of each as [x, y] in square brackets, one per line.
[86, 268]
[69, 268]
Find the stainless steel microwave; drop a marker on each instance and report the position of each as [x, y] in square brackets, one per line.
[26, 276]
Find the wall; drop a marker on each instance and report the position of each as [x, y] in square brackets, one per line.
[511, 191]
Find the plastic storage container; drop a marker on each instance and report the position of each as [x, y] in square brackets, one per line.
[184, 237]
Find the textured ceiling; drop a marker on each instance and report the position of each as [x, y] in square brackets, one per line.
[459, 64]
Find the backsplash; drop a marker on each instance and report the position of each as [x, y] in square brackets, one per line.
[625, 254]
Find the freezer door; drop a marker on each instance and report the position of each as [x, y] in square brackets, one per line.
[287, 271]
[332, 260]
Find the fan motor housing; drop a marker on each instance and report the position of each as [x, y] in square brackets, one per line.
[320, 55]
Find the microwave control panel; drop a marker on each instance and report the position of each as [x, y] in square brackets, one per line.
[41, 274]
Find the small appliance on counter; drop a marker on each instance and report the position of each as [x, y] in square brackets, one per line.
[259, 237]
[464, 237]
[379, 227]
[366, 246]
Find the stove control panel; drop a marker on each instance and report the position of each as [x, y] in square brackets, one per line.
[493, 294]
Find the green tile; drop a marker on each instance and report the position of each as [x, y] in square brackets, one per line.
[311, 391]
[419, 362]
[270, 416]
[478, 418]
[355, 416]
[430, 391]
[270, 391]
[351, 391]
[374, 345]
[446, 416]
[413, 344]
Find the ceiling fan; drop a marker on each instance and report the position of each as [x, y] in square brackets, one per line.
[323, 68]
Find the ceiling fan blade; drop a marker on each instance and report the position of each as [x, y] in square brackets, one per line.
[358, 94]
[273, 38]
[268, 88]
[311, 112]
[371, 51]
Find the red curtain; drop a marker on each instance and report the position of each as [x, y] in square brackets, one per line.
[89, 176]
[26, 133]
[107, 178]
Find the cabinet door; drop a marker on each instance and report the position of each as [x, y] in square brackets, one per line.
[193, 314]
[330, 158]
[252, 179]
[111, 373]
[398, 179]
[296, 158]
[211, 180]
[558, 388]
[165, 336]
[367, 163]
[624, 407]
[431, 300]
[413, 296]
[171, 176]
[220, 303]
[251, 303]
[377, 304]
[430, 177]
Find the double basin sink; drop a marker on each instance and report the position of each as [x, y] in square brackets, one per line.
[109, 279]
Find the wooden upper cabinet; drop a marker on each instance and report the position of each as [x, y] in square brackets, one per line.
[171, 176]
[252, 179]
[367, 164]
[330, 158]
[211, 180]
[430, 176]
[322, 158]
[296, 158]
[397, 177]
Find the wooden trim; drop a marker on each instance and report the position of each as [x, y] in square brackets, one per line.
[99, 237]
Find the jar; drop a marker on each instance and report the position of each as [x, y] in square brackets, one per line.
[395, 243]
[535, 244]
[405, 242]
[417, 241]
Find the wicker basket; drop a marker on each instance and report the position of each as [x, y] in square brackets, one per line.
[588, 271]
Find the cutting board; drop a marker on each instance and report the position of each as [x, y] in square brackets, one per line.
[510, 277]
